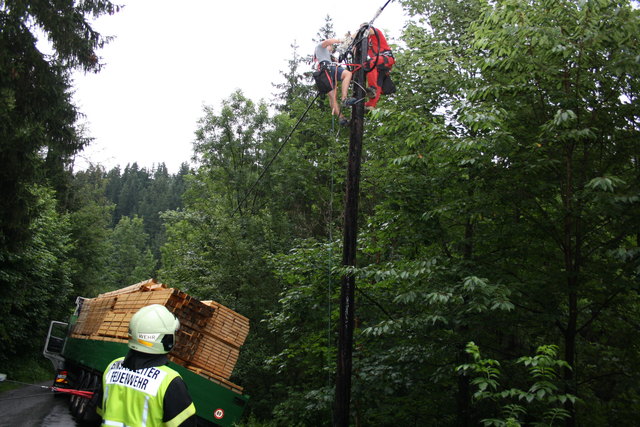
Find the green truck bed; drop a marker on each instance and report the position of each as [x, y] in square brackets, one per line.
[214, 403]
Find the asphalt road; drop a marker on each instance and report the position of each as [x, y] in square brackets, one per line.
[34, 406]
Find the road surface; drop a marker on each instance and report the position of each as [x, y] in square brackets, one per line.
[34, 406]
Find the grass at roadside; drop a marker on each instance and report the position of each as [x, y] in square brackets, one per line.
[30, 370]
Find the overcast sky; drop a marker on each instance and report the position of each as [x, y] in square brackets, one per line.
[170, 58]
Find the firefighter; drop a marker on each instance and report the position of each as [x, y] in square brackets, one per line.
[140, 389]
[379, 64]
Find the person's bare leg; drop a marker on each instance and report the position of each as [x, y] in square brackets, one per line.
[336, 105]
[346, 80]
[333, 102]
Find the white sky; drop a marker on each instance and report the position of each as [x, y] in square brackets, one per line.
[171, 58]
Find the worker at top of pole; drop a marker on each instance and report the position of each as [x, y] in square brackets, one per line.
[334, 73]
[378, 65]
[140, 389]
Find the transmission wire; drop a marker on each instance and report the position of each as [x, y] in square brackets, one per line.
[266, 168]
[264, 171]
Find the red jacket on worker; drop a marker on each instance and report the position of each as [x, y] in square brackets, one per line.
[380, 61]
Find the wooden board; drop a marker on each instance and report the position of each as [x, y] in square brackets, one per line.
[210, 334]
[227, 325]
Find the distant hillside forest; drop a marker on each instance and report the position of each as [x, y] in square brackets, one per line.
[130, 203]
[498, 265]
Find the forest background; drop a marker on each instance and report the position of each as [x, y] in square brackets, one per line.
[498, 263]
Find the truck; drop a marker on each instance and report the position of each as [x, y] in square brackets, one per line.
[206, 350]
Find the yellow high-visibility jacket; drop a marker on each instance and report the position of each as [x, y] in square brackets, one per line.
[135, 398]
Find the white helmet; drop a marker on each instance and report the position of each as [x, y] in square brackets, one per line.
[152, 330]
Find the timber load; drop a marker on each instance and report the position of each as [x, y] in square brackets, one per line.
[208, 342]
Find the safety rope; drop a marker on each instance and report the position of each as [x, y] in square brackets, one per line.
[330, 264]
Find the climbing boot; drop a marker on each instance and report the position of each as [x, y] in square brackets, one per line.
[371, 92]
[349, 101]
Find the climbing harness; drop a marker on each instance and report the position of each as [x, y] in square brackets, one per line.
[324, 82]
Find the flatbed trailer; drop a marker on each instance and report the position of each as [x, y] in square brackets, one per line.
[80, 362]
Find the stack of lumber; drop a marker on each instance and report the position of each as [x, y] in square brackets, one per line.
[208, 342]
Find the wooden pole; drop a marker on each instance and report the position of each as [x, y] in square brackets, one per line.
[347, 308]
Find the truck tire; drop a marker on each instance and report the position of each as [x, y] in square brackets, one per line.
[82, 402]
[74, 402]
[87, 407]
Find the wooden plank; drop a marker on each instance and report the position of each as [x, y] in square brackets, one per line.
[209, 338]
[134, 301]
[145, 285]
[207, 374]
[227, 325]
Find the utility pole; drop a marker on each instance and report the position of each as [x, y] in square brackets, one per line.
[347, 309]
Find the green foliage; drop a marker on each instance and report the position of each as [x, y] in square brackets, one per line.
[143, 193]
[37, 119]
[303, 319]
[27, 369]
[541, 404]
[505, 169]
[35, 281]
[499, 205]
[229, 146]
[38, 139]
[131, 260]
[90, 220]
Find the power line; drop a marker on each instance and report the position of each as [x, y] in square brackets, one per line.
[357, 40]
[266, 168]
[248, 193]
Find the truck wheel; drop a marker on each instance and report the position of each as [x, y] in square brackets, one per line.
[87, 407]
[82, 402]
[74, 402]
